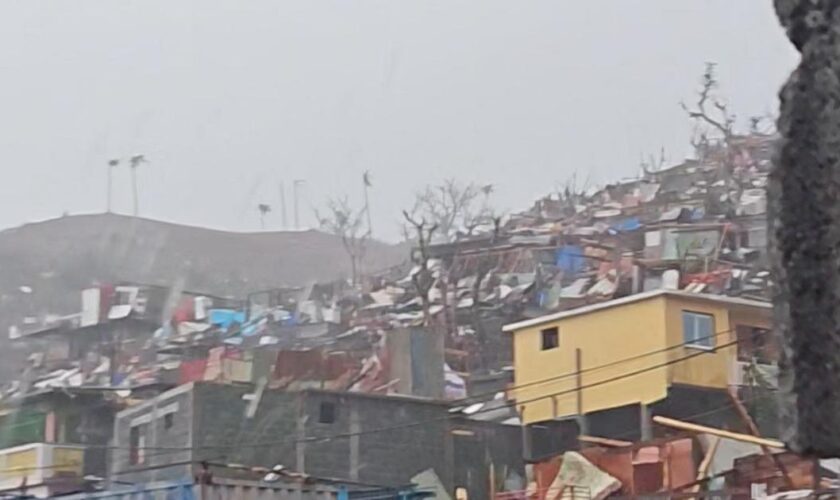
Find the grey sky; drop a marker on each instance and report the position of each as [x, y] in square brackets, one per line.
[229, 98]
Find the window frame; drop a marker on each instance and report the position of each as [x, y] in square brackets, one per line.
[137, 444]
[168, 420]
[327, 412]
[693, 342]
[547, 333]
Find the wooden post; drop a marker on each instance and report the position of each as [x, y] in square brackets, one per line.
[737, 436]
[526, 442]
[704, 465]
[300, 445]
[355, 429]
[582, 424]
[646, 429]
[750, 423]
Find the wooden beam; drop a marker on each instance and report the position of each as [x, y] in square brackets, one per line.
[704, 465]
[750, 423]
[612, 443]
[737, 436]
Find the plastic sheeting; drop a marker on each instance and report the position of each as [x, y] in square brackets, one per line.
[226, 317]
[570, 259]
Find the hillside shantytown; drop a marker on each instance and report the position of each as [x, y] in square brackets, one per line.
[605, 343]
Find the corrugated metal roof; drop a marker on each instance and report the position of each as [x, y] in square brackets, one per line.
[722, 299]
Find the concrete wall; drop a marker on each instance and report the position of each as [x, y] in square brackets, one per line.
[224, 433]
[483, 449]
[387, 449]
[283, 420]
[168, 440]
[366, 438]
[416, 358]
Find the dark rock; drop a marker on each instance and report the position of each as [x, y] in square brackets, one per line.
[804, 230]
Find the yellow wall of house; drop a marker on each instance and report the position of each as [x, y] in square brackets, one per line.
[605, 337]
[648, 331]
[706, 367]
[19, 463]
[712, 368]
[68, 460]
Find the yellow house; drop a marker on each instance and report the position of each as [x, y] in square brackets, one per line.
[632, 350]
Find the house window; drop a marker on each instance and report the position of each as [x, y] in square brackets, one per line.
[698, 329]
[326, 413]
[756, 344]
[168, 421]
[550, 338]
[137, 445]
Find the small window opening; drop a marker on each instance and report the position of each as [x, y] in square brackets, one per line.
[326, 413]
[550, 338]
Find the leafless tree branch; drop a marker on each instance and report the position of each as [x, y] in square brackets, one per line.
[342, 220]
[700, 113]
[454, 208]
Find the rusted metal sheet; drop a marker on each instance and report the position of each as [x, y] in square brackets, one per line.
[755, 469]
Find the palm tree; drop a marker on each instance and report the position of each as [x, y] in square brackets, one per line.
[264, 210]
[135, 162]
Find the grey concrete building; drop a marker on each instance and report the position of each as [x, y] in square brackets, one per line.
[372, 439]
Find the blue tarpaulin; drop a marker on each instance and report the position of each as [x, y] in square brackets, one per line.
[570, 259]
[226, 317]
[627, 225]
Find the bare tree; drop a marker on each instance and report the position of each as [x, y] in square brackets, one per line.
[347, 223]
[652, 163]
[718, 119]
[423, 279]
[264, 210]
[486, 264]
[570, 193]
[453, 208]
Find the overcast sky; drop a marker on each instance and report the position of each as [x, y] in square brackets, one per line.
[230, 98]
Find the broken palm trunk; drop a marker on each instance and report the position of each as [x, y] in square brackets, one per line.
[804, 228]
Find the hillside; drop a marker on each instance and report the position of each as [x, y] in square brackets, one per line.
[56, 258]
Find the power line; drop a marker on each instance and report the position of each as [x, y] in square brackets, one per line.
[444, 418]
[315, 439]
[211, 462]
[452, 416]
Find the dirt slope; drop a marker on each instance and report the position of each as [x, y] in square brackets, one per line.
[56, 258]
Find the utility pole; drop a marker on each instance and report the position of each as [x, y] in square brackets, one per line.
[297, 183]
[366, 179]
[111, 165]
[135, 162]
[282, 188]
